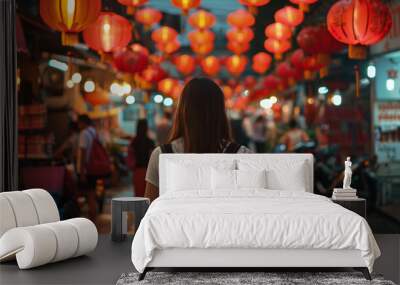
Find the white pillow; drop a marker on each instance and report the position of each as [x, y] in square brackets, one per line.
[251, 179]
[223, 179]
[281, 174]
[181, 177]
[295, 181]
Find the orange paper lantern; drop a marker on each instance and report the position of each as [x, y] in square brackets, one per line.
[240, 36]
[210, 65]
[139, 49]
[200, 37]
[166, 86]
[185, 64]
[97, 97]
[186, 5]
[69, 17]
[359, 22]
[202, 20]
[261, 62]
[109, 33]
[203, 49]
[278, 31]
[253, 4]
[289, 16]
[169, 47]
[164, 35]
[148, 17]
[236, 64]
[240, 19]
[132, 5]
[238, 48]
[304, 4]
[277, 47]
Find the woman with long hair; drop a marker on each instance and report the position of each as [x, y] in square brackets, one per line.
[200, 126]
[138, 156]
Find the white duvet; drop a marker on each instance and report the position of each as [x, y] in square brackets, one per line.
[250, 219]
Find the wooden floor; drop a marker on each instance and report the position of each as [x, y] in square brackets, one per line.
[106, 264]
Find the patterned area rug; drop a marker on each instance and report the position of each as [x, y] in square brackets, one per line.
[242, 278]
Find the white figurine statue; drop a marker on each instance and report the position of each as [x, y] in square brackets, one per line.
[347, 174]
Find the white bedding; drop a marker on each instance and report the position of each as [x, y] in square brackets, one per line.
[252, 218]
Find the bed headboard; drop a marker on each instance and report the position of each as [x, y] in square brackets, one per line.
[287, 159]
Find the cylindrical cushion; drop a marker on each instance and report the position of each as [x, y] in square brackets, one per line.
[7, 218]
[33, 246]
[23, 208]
[67, 240]
[45, 206]
[41, 244]
[87, 234]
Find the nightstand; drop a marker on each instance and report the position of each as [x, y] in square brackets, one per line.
[358, 205]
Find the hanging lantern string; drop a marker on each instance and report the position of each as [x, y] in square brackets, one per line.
[357, 82]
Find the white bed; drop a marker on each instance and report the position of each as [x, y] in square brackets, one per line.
[248, 227]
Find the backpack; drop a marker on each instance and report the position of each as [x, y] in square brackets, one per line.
[99, 163]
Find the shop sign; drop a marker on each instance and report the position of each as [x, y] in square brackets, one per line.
[387, 131]
[392, 41]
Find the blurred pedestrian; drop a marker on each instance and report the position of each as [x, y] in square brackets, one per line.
[139, 153]
[260, 134]
[294, 136]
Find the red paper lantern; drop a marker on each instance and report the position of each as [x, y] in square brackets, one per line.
[200, 37]
[304, 4]
[317, 39]
[286, 72]
[297, 59]
[249, 82]
[69, 19]
[227, 90]
[240, 19]
[210, 65]
[311, 64]
[153, 74]
[132, 5]
[238, 48]
[148, 17]
[164, 35]
[185, 64]
[186, 5]
[359, 22]
[140, 49]
[272, 83]
[177, 90]
[202, 20]
[277, 47]
[240, 36]
[169, 47]
[203, 49]
[97, 97]
[109, 33]
[253, 4]
[130, 61]
[289, 16]
[278, 31]
[236, 64]
[261, 62]
[167, 85]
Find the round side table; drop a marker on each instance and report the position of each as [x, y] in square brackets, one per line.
[119, 207]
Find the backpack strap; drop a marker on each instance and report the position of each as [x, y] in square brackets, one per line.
[166, 148]
[232, 148]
